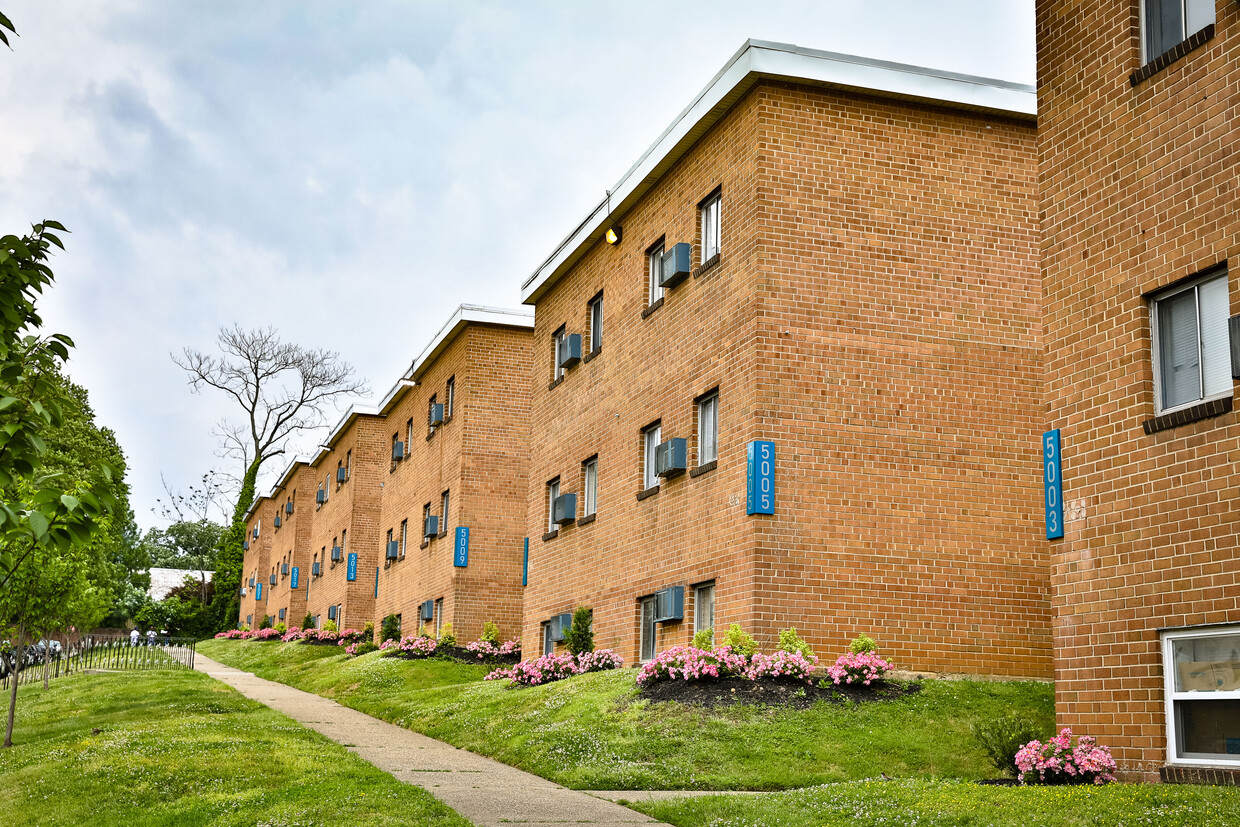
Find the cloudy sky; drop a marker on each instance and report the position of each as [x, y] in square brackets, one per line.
[350, 172]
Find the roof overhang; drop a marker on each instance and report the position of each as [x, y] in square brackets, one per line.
[350, 416]
[760, 60]
[464, 315]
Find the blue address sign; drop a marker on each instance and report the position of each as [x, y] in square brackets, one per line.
[296, 578]
[460, 556]
[351, 572]
[258, 592]
[760, 478]
[1052, 480]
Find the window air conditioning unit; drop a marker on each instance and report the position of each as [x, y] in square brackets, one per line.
[428, 610]
[243, 591]
[331, 612]
[564, 509]
[436, 414]
[432, 526]
[559, 626]
[670, 457]
[245, 545]
[284, 569]
[393, 548]
[282, 611]
[669, 604]
[277, 521]
[288, 508]
[569, 350]
[398, 451]
[316, 569]
[320, 496]
[675, 265]
[255, 532]
[251, 582]
[272, 579]
[342, 475]
[337, 551]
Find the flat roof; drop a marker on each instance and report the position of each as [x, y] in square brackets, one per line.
[760, 60]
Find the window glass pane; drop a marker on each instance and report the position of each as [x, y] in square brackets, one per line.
[1198, 15]
[704, 609]
[1215, 348]
[1207, 664]
[548, 644]
[1179, 367]
[596, 325]
[656, 272]
[1207, 728]
[708, 427]
[652, 443]
[591, 486]
[647, 630]
[1164, 26]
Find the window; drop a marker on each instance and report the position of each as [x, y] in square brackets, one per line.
[708, 428]
[650, 444]
[589, 486]
[1201, 668]
[596, 323]
[327, 487]
[711, 216]
[409, 436]
[430, 412]
[426, 515]
[443, 510]
[390, 538]
[341, 474]
[438, 615]
[557, 339]
[344, 532]
[703, 607]
[654, 266]
[395, 439]
[404, 536]
[348, 464]
[648, 628]
[1168, 23]
[553, 491]
[548, 645]
[1191, 349]
[450, 400]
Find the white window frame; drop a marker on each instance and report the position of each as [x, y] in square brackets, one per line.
[650, 444]
[1171, 695]
[648, 630]
[700, 592]
[449, 401]
[548, 645]
[596, 323]
[654, 272]
[1156, 336]
[708, 414]
[712, 227]
[553, 491]
[556, 338]
[404, 536]
[1202, 14]
[438, 612]
[444, 501]
[589, 486]
[408, 436]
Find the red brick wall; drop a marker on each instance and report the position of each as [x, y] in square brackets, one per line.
[291, 545]
[1137, 192]
[256, 562]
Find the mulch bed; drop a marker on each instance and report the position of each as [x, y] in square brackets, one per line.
[461, 655]
[772, 692]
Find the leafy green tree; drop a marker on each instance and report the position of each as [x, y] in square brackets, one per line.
[580, 635]
[187, 545]
[283, 390]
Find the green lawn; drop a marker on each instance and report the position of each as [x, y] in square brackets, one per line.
[906, 803]
[594, 732]
[178, 748]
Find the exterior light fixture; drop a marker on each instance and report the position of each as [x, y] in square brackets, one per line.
[614, 233]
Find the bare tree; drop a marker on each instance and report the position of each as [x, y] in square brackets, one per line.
[283, 390]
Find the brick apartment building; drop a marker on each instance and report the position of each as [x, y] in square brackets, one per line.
[1137, 145]
[826, 280]
[292, 522]
[454, 481]
[348, 475]
[255, 561]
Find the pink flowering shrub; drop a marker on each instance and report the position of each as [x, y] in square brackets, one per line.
[1059, 761]
[782, 664]
[410, 646]
[691, 664]
[555, 667]
[359, 647]
[487, 649]
[231, 634]
[858, 667]
[350, 636]
[293, 635]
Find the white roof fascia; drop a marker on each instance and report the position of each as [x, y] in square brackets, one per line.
[464, 315]
[394, 395]
[758, 60]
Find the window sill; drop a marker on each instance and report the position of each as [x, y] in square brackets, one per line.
[425, 544]
[1184, 416]
[590, 356]
[551, 535]
[646, 313]
[586, 520]
[705, 468]
[708, 265]
[649, 492]
[554, 383]
[1172, 55]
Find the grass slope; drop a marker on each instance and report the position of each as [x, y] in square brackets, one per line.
[906, 803]
[595, 732]
[178, 748]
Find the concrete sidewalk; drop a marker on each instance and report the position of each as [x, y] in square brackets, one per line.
[481, 789]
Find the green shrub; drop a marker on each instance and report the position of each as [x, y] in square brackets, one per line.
[266, 624]
[390, 628]
[368, 631]
[330, 626]
[446, 636]
[580, 635]
[490, 633]
[741, 641]
[704, 640]
[1003, 737]
[363, 647]
[862, 643]
[281, 628]
[790, 641]
[307, 622]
